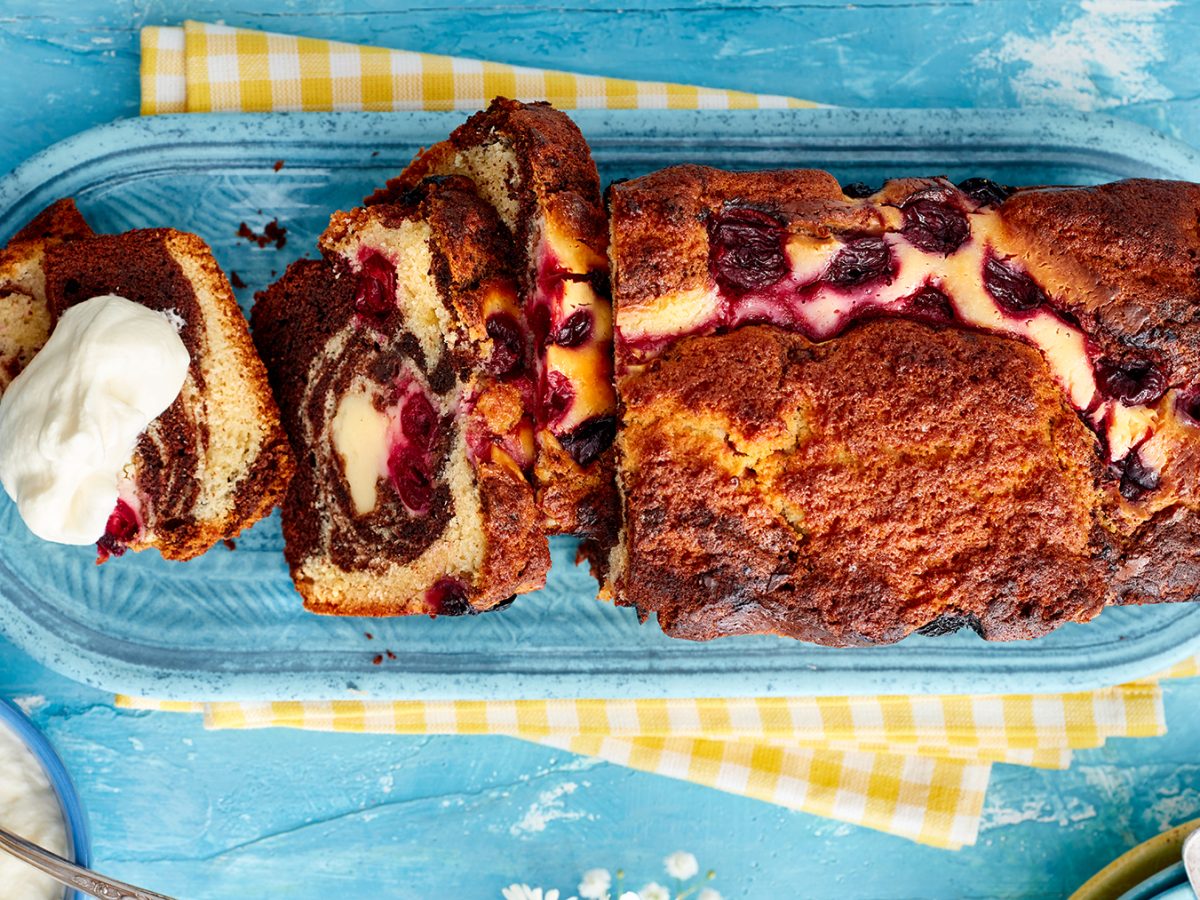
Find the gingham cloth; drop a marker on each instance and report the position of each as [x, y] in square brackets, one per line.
[214, 68]
[913, 766]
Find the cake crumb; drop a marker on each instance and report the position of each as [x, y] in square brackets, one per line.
[391, 655]
[370, 637]
[278, 165]
[272, 232]
[377, 660]
[236, 280]
[230, 543]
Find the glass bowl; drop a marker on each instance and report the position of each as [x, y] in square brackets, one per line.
[79, 845]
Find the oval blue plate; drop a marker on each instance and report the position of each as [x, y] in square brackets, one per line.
[229, 625]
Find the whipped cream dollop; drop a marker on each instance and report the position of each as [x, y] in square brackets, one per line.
[28, 807]
[69, 423]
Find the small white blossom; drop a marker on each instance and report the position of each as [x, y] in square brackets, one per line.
[654, 891]
[708, 894]
[681, 865]
[525, 892]
[595, 884]
[630, 895]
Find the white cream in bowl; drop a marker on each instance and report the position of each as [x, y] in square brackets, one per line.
[28, 807]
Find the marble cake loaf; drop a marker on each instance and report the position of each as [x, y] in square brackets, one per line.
[404, 369]
[216, 460]
[530, 162]
[849, 415]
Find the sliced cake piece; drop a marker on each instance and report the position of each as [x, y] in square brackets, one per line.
[216, 460]
[851, 415]
[24, 313]
[531, 163]
[405, 371]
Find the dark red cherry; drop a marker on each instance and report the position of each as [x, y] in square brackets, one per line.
[539, 323]
[375, 295]
[589, 439]
[746, 250]
[934, 226]
[858, 190]
[560, 394]
[1189, 405]
[1136, 478]
[122, 524]
[931, 304]
[411, 480]
[862, 260]
[550, 276]
[448, 597]
[985, 192]
[418, 421]
[1014, 290]
[508, 344]
[1133, 382]
[119, 531]
[575, 331]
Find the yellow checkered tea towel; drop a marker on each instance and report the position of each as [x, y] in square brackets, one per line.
[913, 766]
[214, 68]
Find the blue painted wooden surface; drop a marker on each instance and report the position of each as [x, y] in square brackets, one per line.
[246, 815]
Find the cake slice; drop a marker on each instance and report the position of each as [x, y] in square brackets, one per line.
[216, 460]
[850, 415]
[404, 369]
[531, 163]
[24, 313]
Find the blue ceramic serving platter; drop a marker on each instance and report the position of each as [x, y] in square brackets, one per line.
[229, 625]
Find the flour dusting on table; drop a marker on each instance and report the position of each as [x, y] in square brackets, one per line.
[1099, 59]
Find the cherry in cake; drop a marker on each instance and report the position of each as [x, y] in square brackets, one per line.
[531, 163]
[405, 370]
[851, 415]
[216, 459]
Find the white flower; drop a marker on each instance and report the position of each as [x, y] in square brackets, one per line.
[630, 895]
[681, 865]
[708, 894]
[525, 892]
[595, 884]
[654, 891]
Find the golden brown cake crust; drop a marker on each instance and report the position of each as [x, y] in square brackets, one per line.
[60, 221]
[556, 165]
[801, 502]
[662, 220]
[1125, 259]
[1101, 399]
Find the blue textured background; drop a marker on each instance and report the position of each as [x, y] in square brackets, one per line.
[247, 815]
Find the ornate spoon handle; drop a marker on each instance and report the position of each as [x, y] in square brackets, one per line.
[72, 875]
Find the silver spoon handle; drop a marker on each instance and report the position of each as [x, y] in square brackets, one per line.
[71, 875]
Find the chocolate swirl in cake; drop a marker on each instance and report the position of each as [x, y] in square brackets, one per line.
[139, 267]
[216, 459]
[532, 164]
[402, 363]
